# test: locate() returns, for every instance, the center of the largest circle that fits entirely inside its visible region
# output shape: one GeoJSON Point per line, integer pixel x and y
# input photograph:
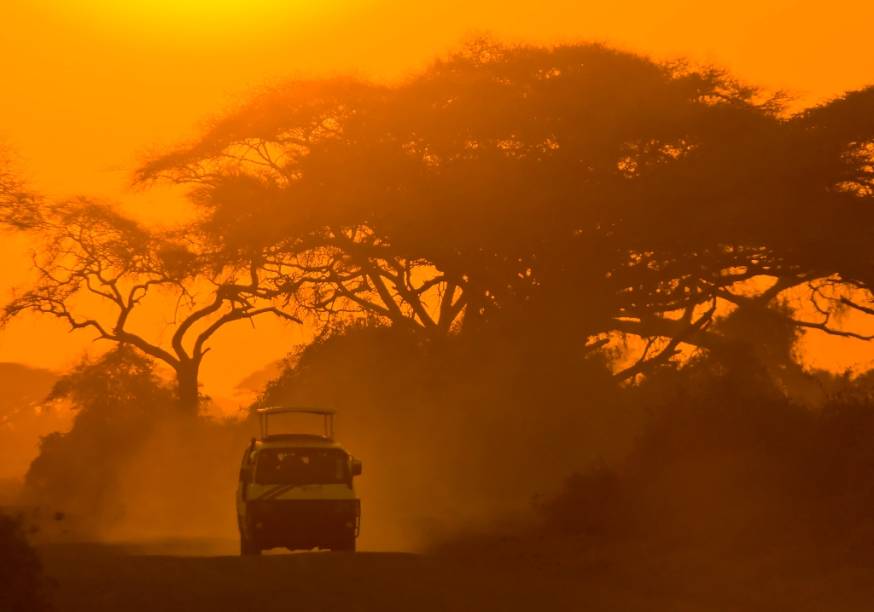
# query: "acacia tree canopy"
{"type": "Point", "coordinates": [592, 188]}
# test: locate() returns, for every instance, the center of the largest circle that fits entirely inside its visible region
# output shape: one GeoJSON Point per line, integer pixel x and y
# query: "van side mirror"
{"type": "Point", "coordinates": [356, 467]}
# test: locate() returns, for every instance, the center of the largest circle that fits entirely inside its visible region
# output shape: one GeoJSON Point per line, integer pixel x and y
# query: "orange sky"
{"type": "Point", "coordinates": [90, 86]}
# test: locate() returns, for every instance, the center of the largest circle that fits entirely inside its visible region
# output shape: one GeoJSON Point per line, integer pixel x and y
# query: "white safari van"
{"type": "Point", "coordinates": [296, 490]}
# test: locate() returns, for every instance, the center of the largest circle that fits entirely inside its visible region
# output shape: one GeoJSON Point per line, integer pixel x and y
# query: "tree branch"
{"type": "Point", "coordinates": [691, 329]}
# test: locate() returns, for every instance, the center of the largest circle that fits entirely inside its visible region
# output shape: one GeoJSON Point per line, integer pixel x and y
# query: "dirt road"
{"type": "Point", "coordinates": [95, 578]}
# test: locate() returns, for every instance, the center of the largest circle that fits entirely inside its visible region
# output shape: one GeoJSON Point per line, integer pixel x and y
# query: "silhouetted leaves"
{"type": "Point", "coordinates": [576, 183]}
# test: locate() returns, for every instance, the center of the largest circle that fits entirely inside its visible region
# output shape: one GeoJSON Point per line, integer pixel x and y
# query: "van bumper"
{"type": "Point", "coordinates": [302, 523]}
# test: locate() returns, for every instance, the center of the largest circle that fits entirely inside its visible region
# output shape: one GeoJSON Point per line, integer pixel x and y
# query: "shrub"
{"type": "Point", "coordinates": [24, 588]}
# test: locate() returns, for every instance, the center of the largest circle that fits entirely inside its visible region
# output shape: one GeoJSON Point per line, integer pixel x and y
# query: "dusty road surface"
{"type": "Point", "coordinates": [171, 577]}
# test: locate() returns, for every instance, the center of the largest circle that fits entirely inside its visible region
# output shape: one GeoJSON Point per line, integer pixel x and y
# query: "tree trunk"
{"type": "Point", "coordinates": [187, 388]}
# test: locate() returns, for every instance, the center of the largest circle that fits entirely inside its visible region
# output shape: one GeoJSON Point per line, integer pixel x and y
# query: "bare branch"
{"type": "Point", "coordinates": [690, 330]}
{"type": "Point", "coordinates": [235, 315]}
{"type": "Point", "coordinates": [824, 327]}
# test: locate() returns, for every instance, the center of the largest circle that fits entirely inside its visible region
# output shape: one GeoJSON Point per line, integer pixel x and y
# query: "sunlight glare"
{"type": "Point", "coordinates": [200, 18]}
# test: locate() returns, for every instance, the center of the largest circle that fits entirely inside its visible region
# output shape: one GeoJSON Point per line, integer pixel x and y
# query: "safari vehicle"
{"type": "Point", "coordinates": [296, 490]}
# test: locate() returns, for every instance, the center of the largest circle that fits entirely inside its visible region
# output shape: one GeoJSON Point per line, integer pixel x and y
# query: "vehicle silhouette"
{"type": "Point", "coordinates": [297, 490]}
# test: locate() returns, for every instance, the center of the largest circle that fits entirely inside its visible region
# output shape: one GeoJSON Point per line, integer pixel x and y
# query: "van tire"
{"type": "Point", "coordinates": [248, 548]}
{"type": "Point", "coordinates": [346, 543]}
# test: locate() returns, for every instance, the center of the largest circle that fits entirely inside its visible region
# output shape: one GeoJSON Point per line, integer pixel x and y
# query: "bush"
{"type": "Point", "coordinates": [23, 588]}
{"type": "Point", "coordinates": [131, 466]}
{"type": "Point", "coordinates": [118, 401]}
{"type": "Point", "coordinates": [733, 467]}
{"type": "Point", "coordinates": [593, 504]}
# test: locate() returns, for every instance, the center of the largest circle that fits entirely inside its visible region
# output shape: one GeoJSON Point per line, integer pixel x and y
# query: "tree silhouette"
{"type": "Point", "coordinates": [96, 268]}
{"type": "Point", "coordinates": [577, 185]}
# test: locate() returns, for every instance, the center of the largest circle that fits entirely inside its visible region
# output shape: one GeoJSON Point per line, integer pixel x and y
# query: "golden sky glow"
{"type": "Point", "coordinates": [194, 21]}
{"type": "Point", "coordinates": [91, 86]}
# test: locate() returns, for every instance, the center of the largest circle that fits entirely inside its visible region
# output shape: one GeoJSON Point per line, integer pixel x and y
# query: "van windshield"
{"type": "Point", "coordinates": [300, 466]}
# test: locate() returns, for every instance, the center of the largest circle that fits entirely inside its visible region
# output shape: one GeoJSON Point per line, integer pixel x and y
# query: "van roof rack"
{"type": "Point", "coordinates": [327, 418]}
{"type": "Point", "coordinates": [285, 409]}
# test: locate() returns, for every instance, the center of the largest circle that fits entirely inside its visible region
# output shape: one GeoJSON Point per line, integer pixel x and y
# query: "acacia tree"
{"type": "Point", "coordinates": [99, 271]}
{"type": "Point", "coordinates": [577, 185]}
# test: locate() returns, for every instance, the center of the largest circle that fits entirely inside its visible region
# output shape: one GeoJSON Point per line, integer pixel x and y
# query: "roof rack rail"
{"type": "Point", "coordinates": [327, 417]}
{"type": "Point", "coordinates": [301, 409]}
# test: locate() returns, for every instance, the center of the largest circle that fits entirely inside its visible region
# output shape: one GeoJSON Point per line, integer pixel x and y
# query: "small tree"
{"type": "Point", "coordinates": [95, 269]}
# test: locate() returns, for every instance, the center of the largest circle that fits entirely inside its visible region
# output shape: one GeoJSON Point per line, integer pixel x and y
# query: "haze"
{"type": "Point", "coordinates": [555, 305]}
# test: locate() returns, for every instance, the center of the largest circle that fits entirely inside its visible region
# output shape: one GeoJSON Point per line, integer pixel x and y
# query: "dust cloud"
{"type": "Point", "coordinates": [558, 297]}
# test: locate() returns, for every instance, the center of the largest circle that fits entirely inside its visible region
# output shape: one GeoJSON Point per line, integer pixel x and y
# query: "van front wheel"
{"type": "Point", "coordinates": [346, 543]}
{"type": "Point", "coordinates": [247, 547]}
